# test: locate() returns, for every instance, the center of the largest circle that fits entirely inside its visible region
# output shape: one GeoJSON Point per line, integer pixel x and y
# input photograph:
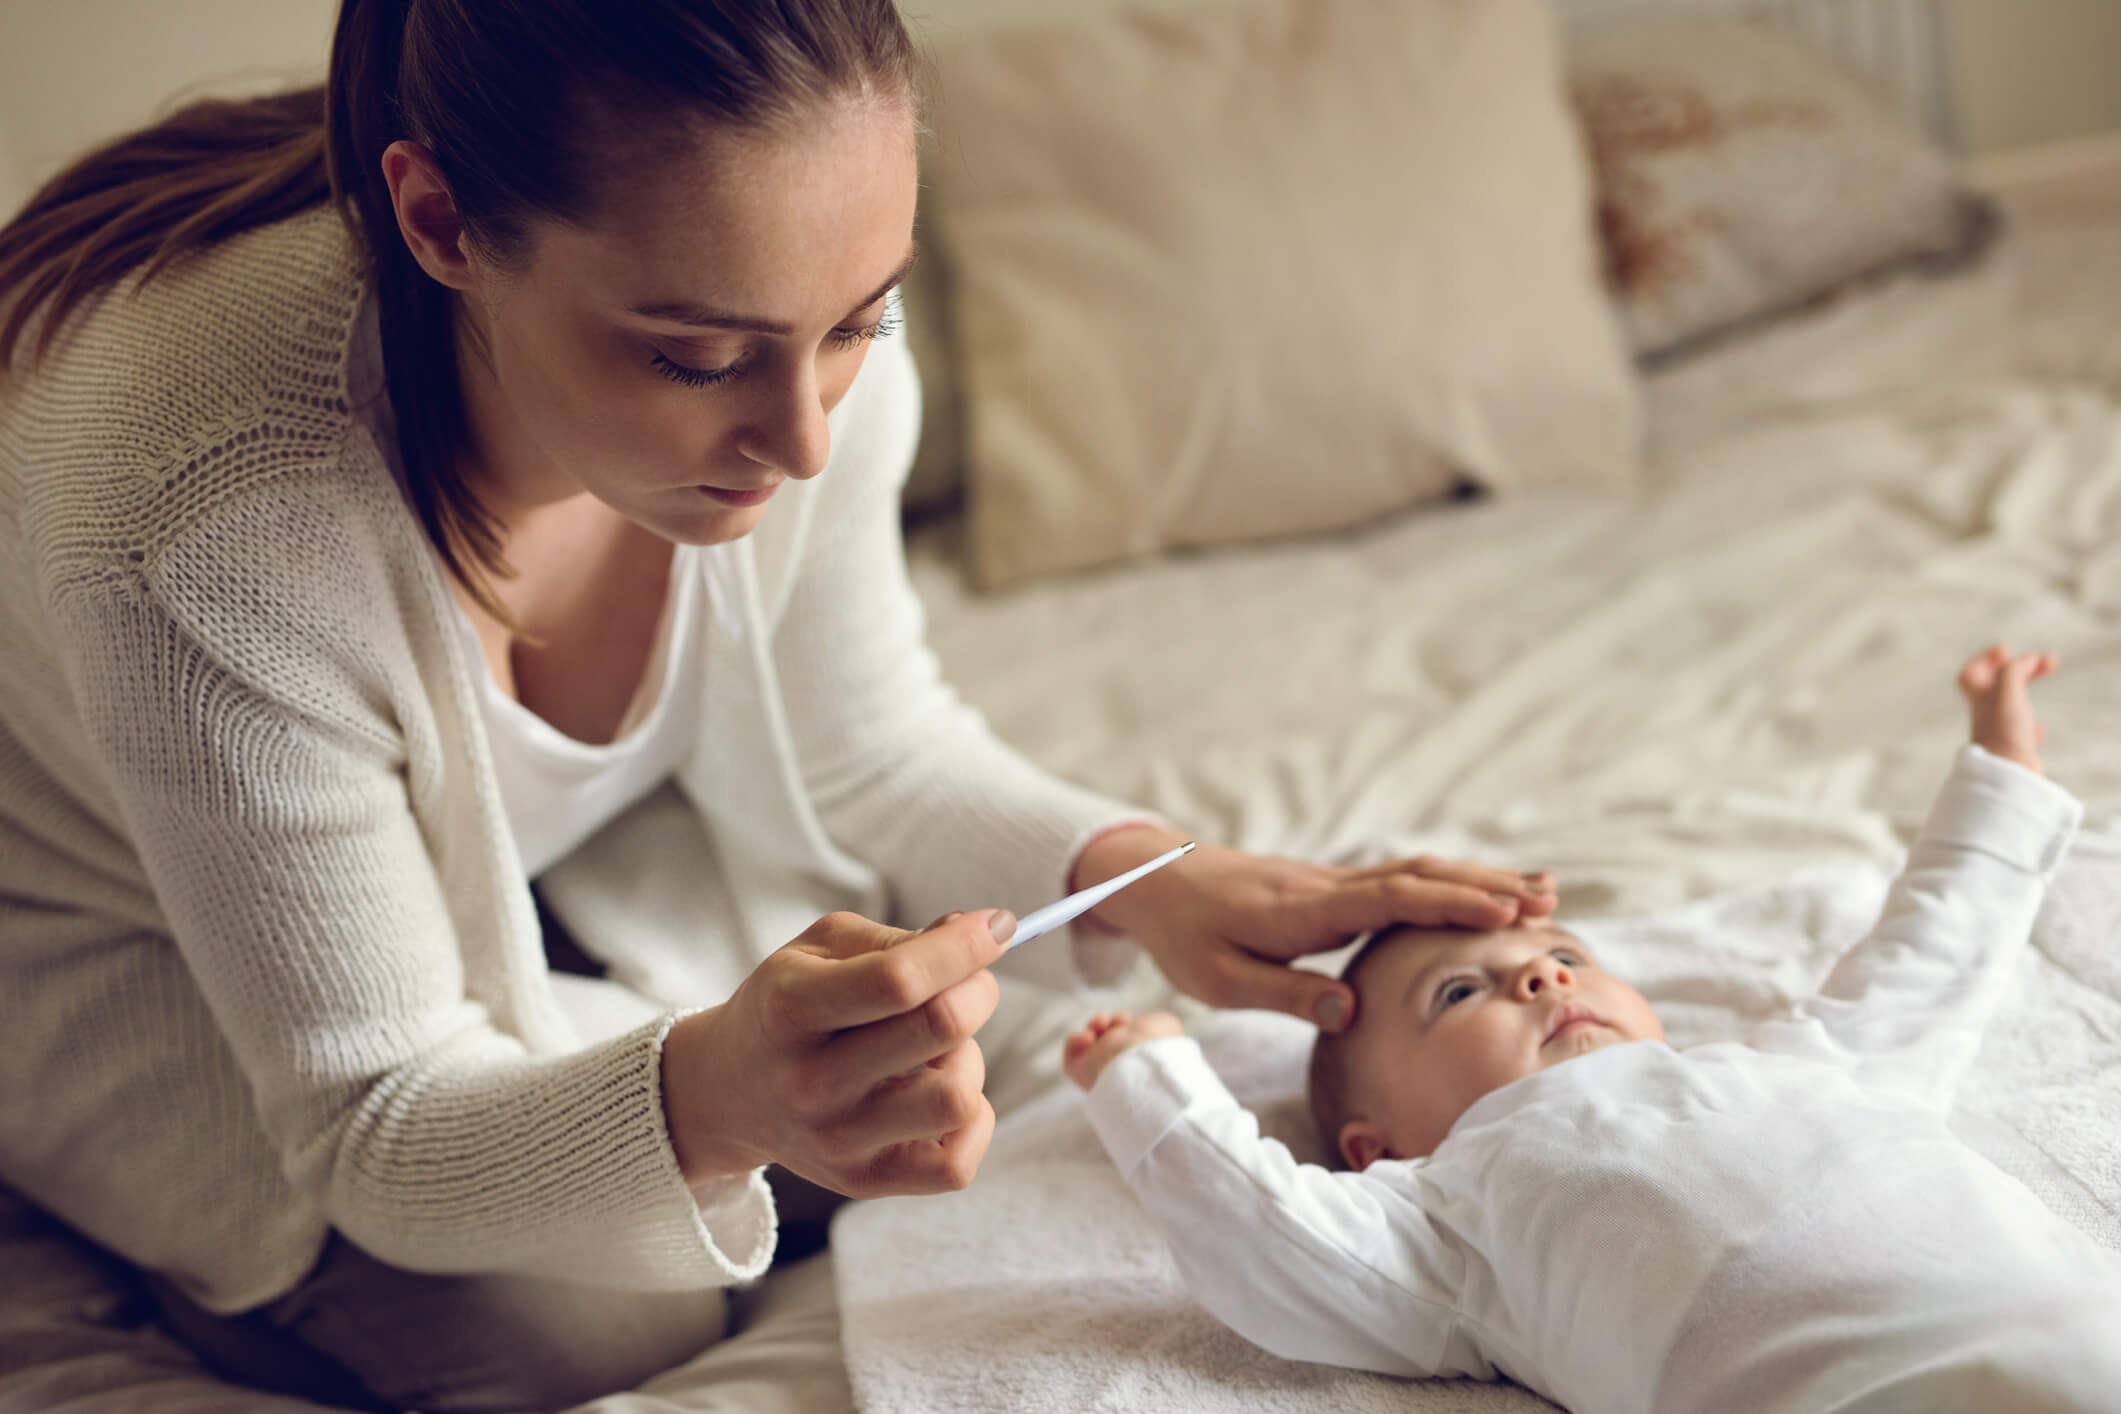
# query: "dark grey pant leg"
{"type": "Point", "coordinates": [359, 1333]}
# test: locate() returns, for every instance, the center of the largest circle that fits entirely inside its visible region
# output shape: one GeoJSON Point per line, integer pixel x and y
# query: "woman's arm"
{"type": "Point", "coordinates": [269, 809]}
{"type": "Point", "coordinates": [903, 773]}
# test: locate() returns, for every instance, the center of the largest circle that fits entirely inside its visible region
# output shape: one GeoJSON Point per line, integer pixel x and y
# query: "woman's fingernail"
{"type": "Point", "coordinates": [1002, 925]}
{"type": "Point", "coordinates": [1331, 1013]}
{"type": "Point", "coordinates": [1506, 900]}
{"type": "Point", "coordinates": [1541, 881]}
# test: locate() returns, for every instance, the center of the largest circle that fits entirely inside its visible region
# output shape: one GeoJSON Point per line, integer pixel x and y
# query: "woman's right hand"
{"type": "Point", "coordinates": [847, 1058]}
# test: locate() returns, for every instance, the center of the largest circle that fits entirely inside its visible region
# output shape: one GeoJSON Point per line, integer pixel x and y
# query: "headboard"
{"type": "Point", "coordinates": [1899, 42]}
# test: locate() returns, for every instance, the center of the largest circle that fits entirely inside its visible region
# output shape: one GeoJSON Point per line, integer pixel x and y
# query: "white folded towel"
{"type": "Point", "coordinates": [1045, 1286]}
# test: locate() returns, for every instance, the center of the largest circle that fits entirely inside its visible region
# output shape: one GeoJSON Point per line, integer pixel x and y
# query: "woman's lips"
{"type": "Point", "coordinates": [727, 497]}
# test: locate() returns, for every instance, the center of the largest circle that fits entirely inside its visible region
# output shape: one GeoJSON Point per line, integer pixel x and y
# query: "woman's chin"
{"type": "Point", "coordinates": [709, 524]}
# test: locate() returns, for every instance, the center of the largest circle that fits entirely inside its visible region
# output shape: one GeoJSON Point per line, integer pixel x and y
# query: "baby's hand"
{"type": "Point", "coordinates": [1106, 1035]}
{"type": "Point", "coordinates": [1995, 686]}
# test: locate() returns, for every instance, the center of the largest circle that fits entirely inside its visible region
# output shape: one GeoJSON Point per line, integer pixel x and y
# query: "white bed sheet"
{"type": "Point", "coordinates": [1745, 671]}
{"type": "Point", "coordinates": [1688, 700]}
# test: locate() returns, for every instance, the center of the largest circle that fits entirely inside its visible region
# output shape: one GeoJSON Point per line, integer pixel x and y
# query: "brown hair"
{"type": "Point", "coordinates": [508, 97]}
{"type": "Point", "coordinates": [1332, 1077]}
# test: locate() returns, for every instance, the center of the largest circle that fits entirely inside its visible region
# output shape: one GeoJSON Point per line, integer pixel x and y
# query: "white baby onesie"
{"type": "Point", "coordinates": [1783, 1225]}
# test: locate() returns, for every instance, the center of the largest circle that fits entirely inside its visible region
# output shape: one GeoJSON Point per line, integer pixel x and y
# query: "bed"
{"type": "Point", "coordinates": [1728, 702]}
{"type": "Point", "coordinates": [1722, 694]}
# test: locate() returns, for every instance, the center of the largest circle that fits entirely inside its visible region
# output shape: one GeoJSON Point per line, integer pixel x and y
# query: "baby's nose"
{"type": "Point", "coordinates": [1543, 972]}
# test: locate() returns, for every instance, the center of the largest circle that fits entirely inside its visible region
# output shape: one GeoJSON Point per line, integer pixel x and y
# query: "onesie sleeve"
{"type": "Point", "coordinates": [905, 774]}
{"type": "Point", "coordinates": [1339, 1268]}
{"type": "Point", "coordinates": [1907, 1005]}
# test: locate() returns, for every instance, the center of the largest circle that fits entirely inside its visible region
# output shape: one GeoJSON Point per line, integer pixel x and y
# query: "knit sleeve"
{"type": "Point", "coordinates": [906, 775]}
{"type": "Point", "coordinates": [269, 807]}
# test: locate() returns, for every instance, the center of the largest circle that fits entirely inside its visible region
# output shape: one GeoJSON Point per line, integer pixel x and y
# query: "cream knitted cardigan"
{"type": "Point", "coordinates": [268, 961]}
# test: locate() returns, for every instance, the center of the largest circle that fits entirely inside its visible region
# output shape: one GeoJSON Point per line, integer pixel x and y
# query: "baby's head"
{"type": "Point", "coordinates": [1443, 1016]}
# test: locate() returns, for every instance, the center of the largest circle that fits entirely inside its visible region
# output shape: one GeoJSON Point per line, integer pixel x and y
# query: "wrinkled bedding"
{"type": "Point", "coordinates": [1745, 668]}
{"type": "Point", "coordinates": [1740, 675]}
{"type": "Point", "coordinates": [1718, 711]}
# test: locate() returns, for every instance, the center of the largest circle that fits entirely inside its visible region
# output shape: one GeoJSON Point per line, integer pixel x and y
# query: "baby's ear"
{"type": "Point", "coordinates": [1362, 1144]}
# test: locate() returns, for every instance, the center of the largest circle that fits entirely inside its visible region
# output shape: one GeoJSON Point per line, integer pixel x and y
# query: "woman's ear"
{"type": "Point", "coordinates": [427, 215]}
{"type": "Point", "coordinates": [1363, 1144]}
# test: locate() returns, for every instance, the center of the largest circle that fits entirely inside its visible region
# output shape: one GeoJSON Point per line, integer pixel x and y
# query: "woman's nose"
{"type": "Point", "coordinates": [1540, 973]}
{"type": "Point", "coordinates": [789, 432]}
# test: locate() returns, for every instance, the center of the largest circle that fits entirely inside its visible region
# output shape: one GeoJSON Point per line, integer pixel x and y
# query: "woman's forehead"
{"type": "Point", "coordinates": [765, 224]}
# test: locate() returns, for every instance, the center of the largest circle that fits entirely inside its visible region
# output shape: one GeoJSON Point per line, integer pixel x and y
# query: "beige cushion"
{"type": "Point", "coordinates": [1263, 267]}
{"type": "Point", "coordinates": [937, 478]}
{"type": "Point", "coordinates": [1742, 171]}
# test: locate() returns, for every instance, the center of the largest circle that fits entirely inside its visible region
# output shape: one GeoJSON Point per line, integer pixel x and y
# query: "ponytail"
{"type": "Point", "coordinates": [203, 174]}
{"type": "Point", "coordinates": [362, 117]}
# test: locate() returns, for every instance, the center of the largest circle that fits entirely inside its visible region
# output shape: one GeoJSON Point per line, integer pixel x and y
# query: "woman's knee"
{"type": "Point", "coordinates": [470, 1343]}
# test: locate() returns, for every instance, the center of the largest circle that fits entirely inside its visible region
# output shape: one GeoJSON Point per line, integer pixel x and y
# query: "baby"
{"type": "Point", "coordinates": [1538, 1187]}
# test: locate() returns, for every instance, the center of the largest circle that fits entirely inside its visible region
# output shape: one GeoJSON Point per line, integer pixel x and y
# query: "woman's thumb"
{"type": "Point", "coordinates": [1322, 1001]}
{"type": "Point", "coordinates": [1331, 1007]}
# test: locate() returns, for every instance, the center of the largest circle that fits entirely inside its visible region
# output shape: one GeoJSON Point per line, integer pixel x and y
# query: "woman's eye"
{"type": "Point", "coordinates": [883, 328]}
{"type": "Point", "coordinates": [692, 377]}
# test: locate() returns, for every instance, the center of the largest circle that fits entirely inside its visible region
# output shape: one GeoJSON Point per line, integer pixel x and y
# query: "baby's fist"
{"type": "Point", "coordinates": [1994, 684]}
{"type": "Point", "coordinates": [1108, 1034]}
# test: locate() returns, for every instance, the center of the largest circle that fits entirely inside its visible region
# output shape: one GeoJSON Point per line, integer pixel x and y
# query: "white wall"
{"type": "Point", "coordinates": [2028, 73]}
{"type": "Point", "coordinates": [73, 72]}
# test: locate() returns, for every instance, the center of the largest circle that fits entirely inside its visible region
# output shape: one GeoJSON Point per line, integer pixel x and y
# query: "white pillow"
{"type": "Point", "coordinates": [1263, 267]}
{"type": "Point", "coordinates": [1743, 171]}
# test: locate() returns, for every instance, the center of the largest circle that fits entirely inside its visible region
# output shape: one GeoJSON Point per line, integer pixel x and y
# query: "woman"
{"type": "Point", "coordinates": [362, 561]}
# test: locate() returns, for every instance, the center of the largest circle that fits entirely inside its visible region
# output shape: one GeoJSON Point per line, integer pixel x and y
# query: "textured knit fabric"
{"type": "Point", "coordinates": [1785, 1225]}
{"type": "Point", "coordinates": [268, 960]}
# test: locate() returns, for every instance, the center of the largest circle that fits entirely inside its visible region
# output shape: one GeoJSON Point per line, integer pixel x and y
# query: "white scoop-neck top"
{"type": "Point", "coordinates": [558, 791]}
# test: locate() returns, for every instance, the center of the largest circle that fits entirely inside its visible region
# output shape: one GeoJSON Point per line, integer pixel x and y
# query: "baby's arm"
{"type": "Point", "coordinates": [1339, 1268]}
{"type": "Point", "coordinates": [1909, 1002]}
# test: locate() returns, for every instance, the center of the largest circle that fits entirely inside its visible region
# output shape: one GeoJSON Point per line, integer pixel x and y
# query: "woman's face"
{"type": "Point", "coordinates": [676, 358]}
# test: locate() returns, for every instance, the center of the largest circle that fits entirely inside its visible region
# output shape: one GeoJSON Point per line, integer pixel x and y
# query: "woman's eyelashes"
{"type": "Point", "coordinates": [691, 377]}
{"type": "Point", "coordinates": [883, 327]}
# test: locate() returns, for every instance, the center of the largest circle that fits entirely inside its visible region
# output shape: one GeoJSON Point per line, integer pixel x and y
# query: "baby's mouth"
{"type": "Point", "coordinates": [1568, 1016]}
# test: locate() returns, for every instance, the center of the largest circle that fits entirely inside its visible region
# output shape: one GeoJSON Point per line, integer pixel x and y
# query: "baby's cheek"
{"type": "Point", "coordinates": [1644, 1023]}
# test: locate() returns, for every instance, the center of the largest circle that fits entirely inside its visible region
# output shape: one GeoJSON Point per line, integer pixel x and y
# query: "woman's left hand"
{"type": "Point", "coordinates": [1223, 924]}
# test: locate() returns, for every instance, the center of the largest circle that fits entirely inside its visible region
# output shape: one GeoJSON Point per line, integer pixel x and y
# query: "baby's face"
{"type": "Point", "coordinates": [1444, 1017]}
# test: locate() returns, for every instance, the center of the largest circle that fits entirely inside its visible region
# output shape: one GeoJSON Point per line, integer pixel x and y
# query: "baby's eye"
{"type": "Point", "coordinates": [1453, 993]}
{"type": "Point", "coordinates": [1570, 956]}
